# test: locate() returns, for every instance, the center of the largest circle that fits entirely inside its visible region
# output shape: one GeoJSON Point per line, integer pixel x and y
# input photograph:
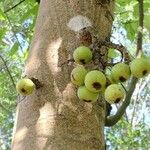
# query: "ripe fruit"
{"type": "Point", "coordinates": [86, 95]}
{"type": "Point", "coordinates": [140, 67]}
{"type": "Point", "coordinates": [25, 86]}
{"type": "Point", "coordinates": [120, 72]}
{"type": "Point", "coordinates": [82, 55]}
{"type": "Point", "coordinates": [77, 75]}
{"type": "Point", "coordinates": [114, 93]}
{"type": "Point", "coordinates": [95, 81]}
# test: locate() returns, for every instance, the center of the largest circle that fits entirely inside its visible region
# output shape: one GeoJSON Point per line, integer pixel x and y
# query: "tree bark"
{"type": "Point", "coordinates": [53, 118]}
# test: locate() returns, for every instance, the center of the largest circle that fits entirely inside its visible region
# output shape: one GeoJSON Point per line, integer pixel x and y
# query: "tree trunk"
{"type": "Point", "coordinates": [53, 118]}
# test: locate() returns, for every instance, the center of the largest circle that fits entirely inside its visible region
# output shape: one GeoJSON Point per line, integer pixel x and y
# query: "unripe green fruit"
{"type": "Point", "coordinates": [86, 95]}
{"type": "Point", "coordinates": [25, 86]}
{"type": "Point", "coordinates": [95, 81]}
{"type": "Point", "coordinates": [140, 67]}
{"type": "Point", "coordinates": [121, 72]}
{"type": "Point", "coordinates": [114, 93]}
{"type": "Point", "coordinates": [77, 75]}
{"type": "Point", "coordinates": [82, 55]}
{"type": "Point", "coordinates": [110, 80]}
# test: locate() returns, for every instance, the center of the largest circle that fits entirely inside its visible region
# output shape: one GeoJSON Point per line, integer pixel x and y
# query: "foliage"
{"type": "Point", "coordinates": [16, 30]}
{"type": "Point", "coordinates": [127, 16]}
{"type": "Point", "coordinates": [123, 136]}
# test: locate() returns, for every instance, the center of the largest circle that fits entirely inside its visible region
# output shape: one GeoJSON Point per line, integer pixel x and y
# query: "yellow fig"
{"type": "Point", "coordinates": [86, 95]}
{"type": "Point", "coordinates": [114, 93]}
{"type": "Point", "coordinates": [121, 72]}
{"type": "Point", "coordinates": [25, 86]}
{"type": "Point", "coordinates": [140, 67]}
{"type": "Point", "coordinates": [82, 55]}
{"type": "Point", "coordinates": [95, 81]}
{"type": "Point", "coordinates": [77, 75]}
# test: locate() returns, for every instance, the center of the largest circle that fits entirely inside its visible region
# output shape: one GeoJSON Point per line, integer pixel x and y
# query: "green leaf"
{"type": "Point", "coordinates": [14, 49]}
{"type": "Point", "coordinates": [2, 33]}
{"type": "Point", "coordinates": [147, 22]}
{"type": "Point", "coordinates": [131, 28]}
{"type": "Point", "coordinates": [2, 15]}
{"type": "Point", "coordinates": [123, 2]}
{"type": "Point", "coordinates": [112, 53]}
{"type": "Point", "coordinates": [29, 13]}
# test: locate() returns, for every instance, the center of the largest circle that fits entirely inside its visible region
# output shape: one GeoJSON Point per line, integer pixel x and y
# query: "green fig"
{"type": "Point", "coordinates": [114, 93]}
{"type": "Point", "coordinates": [82, 55]}
{"type": "Point", "coordinates": [121, 72]}
{"type": "Point", "coordinates": [110, 80]}
{"type": "Point", "coordinates": [95, 81]}
{"type": "Point", "coordinates": [86, 95]}
{"type": "Point", "coordinates": [25, 86]}
{"type": "Point", "coordinates": [77, 75]}
{"type": "Point", "coordinates": [140, 67]}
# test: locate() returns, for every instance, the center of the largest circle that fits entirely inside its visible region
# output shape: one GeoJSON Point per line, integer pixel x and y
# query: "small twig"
{"type": "Point", "coordinates": [13, 82]}
{"type": "Point", "coordinates": [120, 48]}
{"type": "Point", "coordinates": [124, 87]}
{"type": "Point", "coordinates": [13, 6]}
{"type": "Point", "coordinates": [112, 120]}
{"type": "Point", "coordinates": [112, 64]}
{"type": "Point", "coordinates": [124, 52]}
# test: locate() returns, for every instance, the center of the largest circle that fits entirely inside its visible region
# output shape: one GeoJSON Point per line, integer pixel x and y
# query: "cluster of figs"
{"type": "Point", "coordinates": [91, 83]}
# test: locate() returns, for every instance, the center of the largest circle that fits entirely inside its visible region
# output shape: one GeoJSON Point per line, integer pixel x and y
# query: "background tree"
{"type": "Point", "coordinates": [16, 32]}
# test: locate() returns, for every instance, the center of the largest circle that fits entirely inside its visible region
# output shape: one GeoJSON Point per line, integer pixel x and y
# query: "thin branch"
{"type": "Point", "coordinates": [139, 42]}
{"type": "Point", "coordinates": [13, 6]}
{"type": "Point", "coordinates": [124, 52]}
{"type": "Point", "coordinates": [13, 82]}
{"type": "Point", "coordinates": [123, 87]}
{"type": "Point", "coordinates": [125, 114]}
{"type": "Point", "coordinates": [140, 31]}
{"type": "Point", "coordinates": [112, 120]}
